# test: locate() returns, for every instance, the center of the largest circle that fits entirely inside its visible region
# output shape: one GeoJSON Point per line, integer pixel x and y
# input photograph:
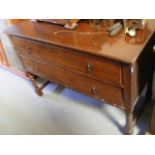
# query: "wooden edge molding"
{"type": "Point", "coordinates": [15, 71]}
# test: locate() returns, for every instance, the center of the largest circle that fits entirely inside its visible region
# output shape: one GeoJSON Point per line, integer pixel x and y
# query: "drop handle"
{"type": "Point", "coordinates": [29, 50]}
{"type": "Point", "coordinates": [89, 68]}
{"type": "Point", "coordinates": [93, 90]}
{"type": "Point", "coordinates": [154, 48]}
{"type": "Point", "coordinates": [37, 68]}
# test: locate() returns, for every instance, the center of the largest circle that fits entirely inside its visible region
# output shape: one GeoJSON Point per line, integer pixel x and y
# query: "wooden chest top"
{"type": "Point", "coordinates": [86, 39]}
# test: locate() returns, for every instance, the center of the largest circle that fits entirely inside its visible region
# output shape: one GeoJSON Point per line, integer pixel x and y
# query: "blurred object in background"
{"type": "Point", "coordinates": [133, 25]}
{"type": "Point", "coordinates": [67, 23]}
{"type": "Point", "coordinates": [8, 58]}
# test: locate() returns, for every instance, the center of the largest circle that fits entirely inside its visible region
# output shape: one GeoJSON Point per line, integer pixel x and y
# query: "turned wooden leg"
{"type": "Point", "coordinates": [129, 123]}
{"type": "Point", "coordinates": [34, 83]}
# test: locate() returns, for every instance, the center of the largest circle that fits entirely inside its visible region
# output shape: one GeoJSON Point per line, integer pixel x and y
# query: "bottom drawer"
{"type": "Point", "coordinates": [76, 81]}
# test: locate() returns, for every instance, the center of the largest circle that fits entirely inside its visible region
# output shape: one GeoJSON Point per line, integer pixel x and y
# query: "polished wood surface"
{"type": "Point", "coordinates": [117, 70]}
{"type": "Point", "coordinates": [85, 38]}
{"type": "Point", "coordinates": [13, 21]}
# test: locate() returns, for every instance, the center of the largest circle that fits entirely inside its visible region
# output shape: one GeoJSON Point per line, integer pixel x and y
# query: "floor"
{"type": "Point", "coordinates": [58, 111]}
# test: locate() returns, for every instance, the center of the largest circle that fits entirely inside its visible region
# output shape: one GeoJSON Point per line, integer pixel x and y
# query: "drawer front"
{"type": "Point", "coordinates": [68, 78]}
{"type": "Point", "coordinates": [101, 68]}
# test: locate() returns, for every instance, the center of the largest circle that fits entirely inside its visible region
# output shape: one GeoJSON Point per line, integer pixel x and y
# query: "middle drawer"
{"type": "Point", "coordinates": [102, 68]}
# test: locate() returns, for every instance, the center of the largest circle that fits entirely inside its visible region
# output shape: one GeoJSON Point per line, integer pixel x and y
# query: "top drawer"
{"type": "Point", "coordinates": [94, 66]}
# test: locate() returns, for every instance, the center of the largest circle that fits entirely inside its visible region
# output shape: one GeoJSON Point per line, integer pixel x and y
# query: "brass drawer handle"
{"type": "Point", "coordinates": [154, 48]}
{"type": "Point", "coordinates": [89, 68]}
{"type": "Point", "coordinates": [29, 50]}
{"type": "Point", "coordinates": [93, 90]}
{"type": "Point", "coordinates": [37, 68]}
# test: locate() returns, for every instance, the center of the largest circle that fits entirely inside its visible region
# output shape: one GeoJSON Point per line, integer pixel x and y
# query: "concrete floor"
{"type": "Point", "coordinates": [58, 111]}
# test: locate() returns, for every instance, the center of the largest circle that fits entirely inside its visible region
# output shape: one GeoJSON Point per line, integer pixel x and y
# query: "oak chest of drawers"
{"type": "Point", "coordinates": [116, 70]}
